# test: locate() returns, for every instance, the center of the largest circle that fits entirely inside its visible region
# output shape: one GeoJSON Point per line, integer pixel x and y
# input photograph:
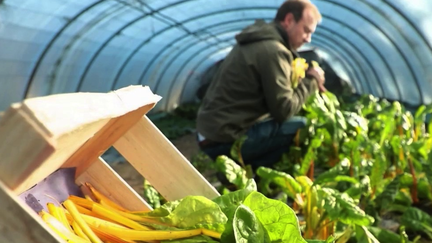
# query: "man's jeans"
{"type": "Point", "coordinates": [266, 142]}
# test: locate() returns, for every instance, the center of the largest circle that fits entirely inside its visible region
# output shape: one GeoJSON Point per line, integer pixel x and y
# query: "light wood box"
{"type": "Point", "coordinates": [41, 135]}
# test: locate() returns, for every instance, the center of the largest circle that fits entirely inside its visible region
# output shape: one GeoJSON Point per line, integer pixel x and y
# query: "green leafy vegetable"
{"type": "Point", "coordinates": [279, 220]}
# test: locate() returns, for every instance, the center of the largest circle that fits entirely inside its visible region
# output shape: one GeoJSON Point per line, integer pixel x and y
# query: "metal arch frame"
{"type": "Point", "coordinates": [101, 47]}
{"type": "Point", "coordinates": [202, 60]}
{"type": "Point", "coordinates": [326, 16]}
{"type": "Point", "coordinates": [193, 55]}
{"type": "Point", "coordinates": [199, 63]}
{"type": "Point", "coordinates": [89, 7]}
{"type": "Point", "coordinates": [410, 22]}
{"type": "Point", "coordinates": [165, 48]}
{"type": "Point", "coordinates": [185, 63]}
{"type": "Point", "coordinates": [360, 53]}
{"type": "Point", "coordinates": [398, 49]}
{"type": "Point", "coordinates": [413, 27]}
{"type": "Point", "coordinates": [138, 48]}
{"type": "Point", "coordinates": [188, 45]}
{"type": "Point", "coordinates": [346, 50]}
{"type": "Point", "coordinates": [359, 76]}
{"type": "Point", "coordinates": [51, 42]}
{"type": "Point", "coordinates": [188, 60]}
{"type": "Point", "coordinates": [328, 37]}
{"type": "Point", "coordinates": [109, 39]}
{"type": "Point", "coordinates": [355, 81]}
{"type": "Point", "coordinates": [59, 32]}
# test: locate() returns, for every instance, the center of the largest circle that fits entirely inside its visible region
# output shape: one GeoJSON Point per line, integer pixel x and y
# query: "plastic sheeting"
{"type": "Point", "coordinates": [46, 46]}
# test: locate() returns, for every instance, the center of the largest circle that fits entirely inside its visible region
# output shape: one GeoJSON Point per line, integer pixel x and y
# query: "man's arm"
{"type": "Point", "coordinates": [282, 100]}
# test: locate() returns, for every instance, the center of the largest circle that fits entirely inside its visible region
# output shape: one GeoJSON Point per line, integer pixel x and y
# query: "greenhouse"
{"type": "Point", "coordinates": [357, 170]}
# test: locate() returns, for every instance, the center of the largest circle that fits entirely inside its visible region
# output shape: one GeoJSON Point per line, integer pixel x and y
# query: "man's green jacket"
{"type": "Point", "coordinates": [252, 83]}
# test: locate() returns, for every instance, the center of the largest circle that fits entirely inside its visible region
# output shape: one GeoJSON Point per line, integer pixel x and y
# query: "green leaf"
{"type": "Point", "coordinates": [192, 212]}
{"type": "Point", "coordinates": [384, 235]}
{"type": "Point", "coordinates": [388, 131]}
{"type": "Point", "coordinates": [417, 220]}
{"type": "Point", "coordinates": [286, 182]}
{"type": "Point", "coordinates": [345, 235]}
{"type": "Point", "coordinates": [379, 166]}
{"type": "Point", "coordinates": [387, 197]}
{"type": "Point", "coordinates": [245, 228]}
{"type": "Point", "coordinates": [279, 220]}
{"type": "Point", "coordinates": [361, 188]}
{"type": "Point", "coordinates": [363, 235]}
{"type": "Point", "coordinates": [151, 195]}
{"type": "Point", "coordinates": [341, 207]}
{"type": "Point", "coordinates": [233, 172]}
{"type": "Point", "coordinates": [336, 174]}
{"type": "Point", "coordinates": [229, 202]}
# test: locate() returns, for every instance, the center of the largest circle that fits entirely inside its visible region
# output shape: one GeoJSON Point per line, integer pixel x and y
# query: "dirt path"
{"type": "Point", "coordinates": [186, 145]}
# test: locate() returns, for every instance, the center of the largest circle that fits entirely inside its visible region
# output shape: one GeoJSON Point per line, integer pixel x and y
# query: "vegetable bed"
{"type": "Point", "coordinates": [360, 171]}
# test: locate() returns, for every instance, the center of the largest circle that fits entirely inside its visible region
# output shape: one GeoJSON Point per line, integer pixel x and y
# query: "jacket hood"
{"type": "Point", "coordinates": [260, 31]}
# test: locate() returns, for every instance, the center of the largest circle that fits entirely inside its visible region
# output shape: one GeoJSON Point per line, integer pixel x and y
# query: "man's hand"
{"type": "Point", "coordinates": [318, 74]}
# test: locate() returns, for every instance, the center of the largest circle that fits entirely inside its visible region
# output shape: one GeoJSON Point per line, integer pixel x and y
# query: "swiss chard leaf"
{"type": "Point", "coordinates": [363, 235]}
{"type": "Point", "coordinates": [233, 172]}
{"type": "Point", "coordinates": [361, 188]}
{"type": "Point", "coordinates": [384, 235]}
{"type": "Point", "coordinates": [191, 212]}
{"type": "Point", "coordinates": [340, 206]}
{"type": "Point", "coordinates": [285, 181]}
{"type": "Point", "coordinates": [417, 220]}
{"type": "Point", "coordinates": [229, 202]}
{"type": "Point", "coordinates": [379, 166]}
{"type": "Point", "coordinates": [387, 197]}
{"type": "Point", "coordinates": [336, 174]}
{"type": "Point", "coordinates": [244, 227]}
{"type": "Point", "coordinates": [151, 195]}
{"type": "Point", "coordinates": [279, 220]}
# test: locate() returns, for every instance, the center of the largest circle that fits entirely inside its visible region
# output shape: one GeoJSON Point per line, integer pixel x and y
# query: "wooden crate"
{"type": "Point", "coordinates": [41, 135]}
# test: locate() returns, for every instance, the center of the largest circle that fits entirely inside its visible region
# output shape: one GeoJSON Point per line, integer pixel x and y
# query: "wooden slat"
{"type": "Point", "coordinates": [18, 223]}
{"type": "Point", "coordinates": [25, 147]}
{"type": "Point", "coordinates": [108, 182]}
{"type": "Point", "coordinates": [104, 138]}
{"type": "Point", "coordinates": [67, 122]}
{"type": "Point", "coordinates": [154, 157]}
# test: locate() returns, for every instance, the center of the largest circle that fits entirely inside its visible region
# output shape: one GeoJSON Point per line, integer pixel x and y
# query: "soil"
{"type": "Point", "coordinates": [186, 145]}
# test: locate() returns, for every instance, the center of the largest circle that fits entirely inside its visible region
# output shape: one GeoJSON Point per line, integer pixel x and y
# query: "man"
{"type": "Point", "coordinates": [252, 94]}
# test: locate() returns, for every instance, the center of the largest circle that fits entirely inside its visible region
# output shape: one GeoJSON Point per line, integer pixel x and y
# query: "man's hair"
{"type": "Point", "coordinates": [296, 8]}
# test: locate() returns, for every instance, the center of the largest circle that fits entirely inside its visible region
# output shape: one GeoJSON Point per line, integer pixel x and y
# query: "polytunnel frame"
{"type": "Point", "coordinates": [165, 48]}
{"type": "Point", "coordinates": [401, 53]}
{"type": "Point", "coordinates": [200, 61]}
{"type": "Point", "coordinates": [137, 49]}
{"type": "Point", "coordinates": [69, 22]}
{"type": "Point", "coordinates": [322, 28]}
{"type": "Point", "coordinates": [359, 52]}
{"type": "Point", "coordinates": [186, 62]}
{"type": "Point", "coordinates": [51, 42]}
{"type": "Point", "coordinates": [29, 83]}
{"type": "Point", "coordinates": [193, 43]}
{"type": "Point", "coordinates": [95, 55]}
{"type": "Point", "coordinates": [186, 47]}
{"type": "Point", "coordinates": [328, 46]}
{"type": "Point", "coordinates": [326, 16]}
{"type": "Point", "coordinates": [410, 22]}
